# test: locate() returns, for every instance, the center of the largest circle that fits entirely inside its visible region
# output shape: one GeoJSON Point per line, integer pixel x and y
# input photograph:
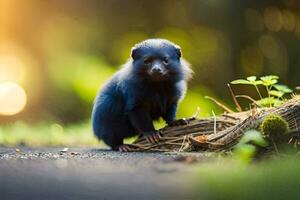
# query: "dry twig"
{"type": "Point", "coordinates": [220, 132]}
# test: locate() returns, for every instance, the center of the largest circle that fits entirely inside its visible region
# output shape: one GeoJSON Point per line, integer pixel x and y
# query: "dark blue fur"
{"type": "Point", "coordinates": [132, 98]}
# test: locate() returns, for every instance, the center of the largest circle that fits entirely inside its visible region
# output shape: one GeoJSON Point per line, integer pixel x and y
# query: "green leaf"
{"type": "Point", "coordinates": [268, 101]}
{"type": "Point", "coordinates": [250, 81]}
{"type": "Point", "coordinates": [276, 93]}
{"type": "Point", "coordinates": [254, 137]}
{"type": "Point", "coordinates": [278, 103]}
{"type": "Point", "coordinates": [269, 80]}
{"type": "Point", "coordinates": [251, 78]}
{"type": "Point", "coordinates": [240, 81]}
{"type": "Point", "coordinates": [258, 82]}
{"type": "Point", "coordinates": [269, 77]}
{"type": "Point", "coordinates": [283, 88]}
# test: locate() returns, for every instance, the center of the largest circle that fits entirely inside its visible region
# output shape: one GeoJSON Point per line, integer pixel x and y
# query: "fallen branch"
{"type": "Point", "coordinates": [220, 132]}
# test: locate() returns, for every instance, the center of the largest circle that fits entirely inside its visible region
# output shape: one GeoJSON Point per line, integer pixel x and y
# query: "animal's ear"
{"type": "Point", "coordinates": [178, 51]}
{"type": "Point", "coordinates": [133, 53]}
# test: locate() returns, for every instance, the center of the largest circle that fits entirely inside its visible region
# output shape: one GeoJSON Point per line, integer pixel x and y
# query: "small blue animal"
{"type": "Point", "coordinates": [146, 88]}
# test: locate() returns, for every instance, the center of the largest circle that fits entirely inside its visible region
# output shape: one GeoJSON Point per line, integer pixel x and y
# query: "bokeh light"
{"type": "Point", "coordinates": [252, 60]}
{"type": "Point", "coordinates": [269, 46]}
{"type": "Point", "coordinates": [12, 98]}
{"type": "Point", "coordinates": [254, 20]}
{"type": "Point", "coordinates": [289, 20]}
{"type": "Point", "coordinates": [273, 18]}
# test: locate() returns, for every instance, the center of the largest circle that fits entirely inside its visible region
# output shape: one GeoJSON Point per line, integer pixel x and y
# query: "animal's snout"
{"type": "Point", "coordinates": [156, 69]}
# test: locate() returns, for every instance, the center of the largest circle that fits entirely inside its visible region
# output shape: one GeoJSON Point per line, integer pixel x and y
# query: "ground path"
{"type": "Point", "coordinates": [85, 173]}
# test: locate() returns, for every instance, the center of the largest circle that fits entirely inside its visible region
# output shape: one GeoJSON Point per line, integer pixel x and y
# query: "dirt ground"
{"type": "Point", "coordinates": [82, 173]}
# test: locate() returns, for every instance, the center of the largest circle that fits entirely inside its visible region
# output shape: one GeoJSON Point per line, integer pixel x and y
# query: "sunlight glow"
{"type": "Point", "coordinates": [11, 68]}
{"type": "Point", "coordinates": [13, 98]}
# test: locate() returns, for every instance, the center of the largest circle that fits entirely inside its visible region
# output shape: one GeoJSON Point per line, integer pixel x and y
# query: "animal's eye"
{"type": "Point", "coordinates": [166, 60]}
{"type": "Point", "coordinates": [147, 61]}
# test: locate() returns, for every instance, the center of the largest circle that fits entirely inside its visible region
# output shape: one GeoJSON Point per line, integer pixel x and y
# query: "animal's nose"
{"type": "Point", "coordinates": [156, 69]}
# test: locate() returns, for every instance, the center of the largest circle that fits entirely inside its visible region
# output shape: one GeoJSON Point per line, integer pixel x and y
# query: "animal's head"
{"type": "Point", "coordinates": [159, 59]}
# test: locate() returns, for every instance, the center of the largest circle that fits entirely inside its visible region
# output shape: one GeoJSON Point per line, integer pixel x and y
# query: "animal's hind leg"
{"type": "Point", "coordinates": [115, 135]}
{"type": "Point", "coordinates": [113, 140]}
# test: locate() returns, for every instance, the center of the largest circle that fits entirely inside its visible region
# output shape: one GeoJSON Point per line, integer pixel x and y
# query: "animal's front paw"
{"type": "Point", "coordinates": [153, 138]}
{"type": "Point", "coordinates": [179, 122]}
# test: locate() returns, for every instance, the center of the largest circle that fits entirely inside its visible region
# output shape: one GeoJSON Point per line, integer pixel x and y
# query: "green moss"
{"type": "Point", "coordinates": [274, 126]}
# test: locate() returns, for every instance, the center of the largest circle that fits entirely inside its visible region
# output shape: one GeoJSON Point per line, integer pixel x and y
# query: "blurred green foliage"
{"type": "Point", "coordinates": [227, 179]}
{"type": "Point", "coordinates": [245, 151]}
{"type": "Point", "coordinates": [83, 74]}
{"type": "Point", "coordinates": [45, 134]}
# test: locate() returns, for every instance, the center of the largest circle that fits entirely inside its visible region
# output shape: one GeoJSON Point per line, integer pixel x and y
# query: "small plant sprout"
{"type": "Point", "coordinates": [251, 80]}
{"type": "Point", "coordinates": [275, 92]}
